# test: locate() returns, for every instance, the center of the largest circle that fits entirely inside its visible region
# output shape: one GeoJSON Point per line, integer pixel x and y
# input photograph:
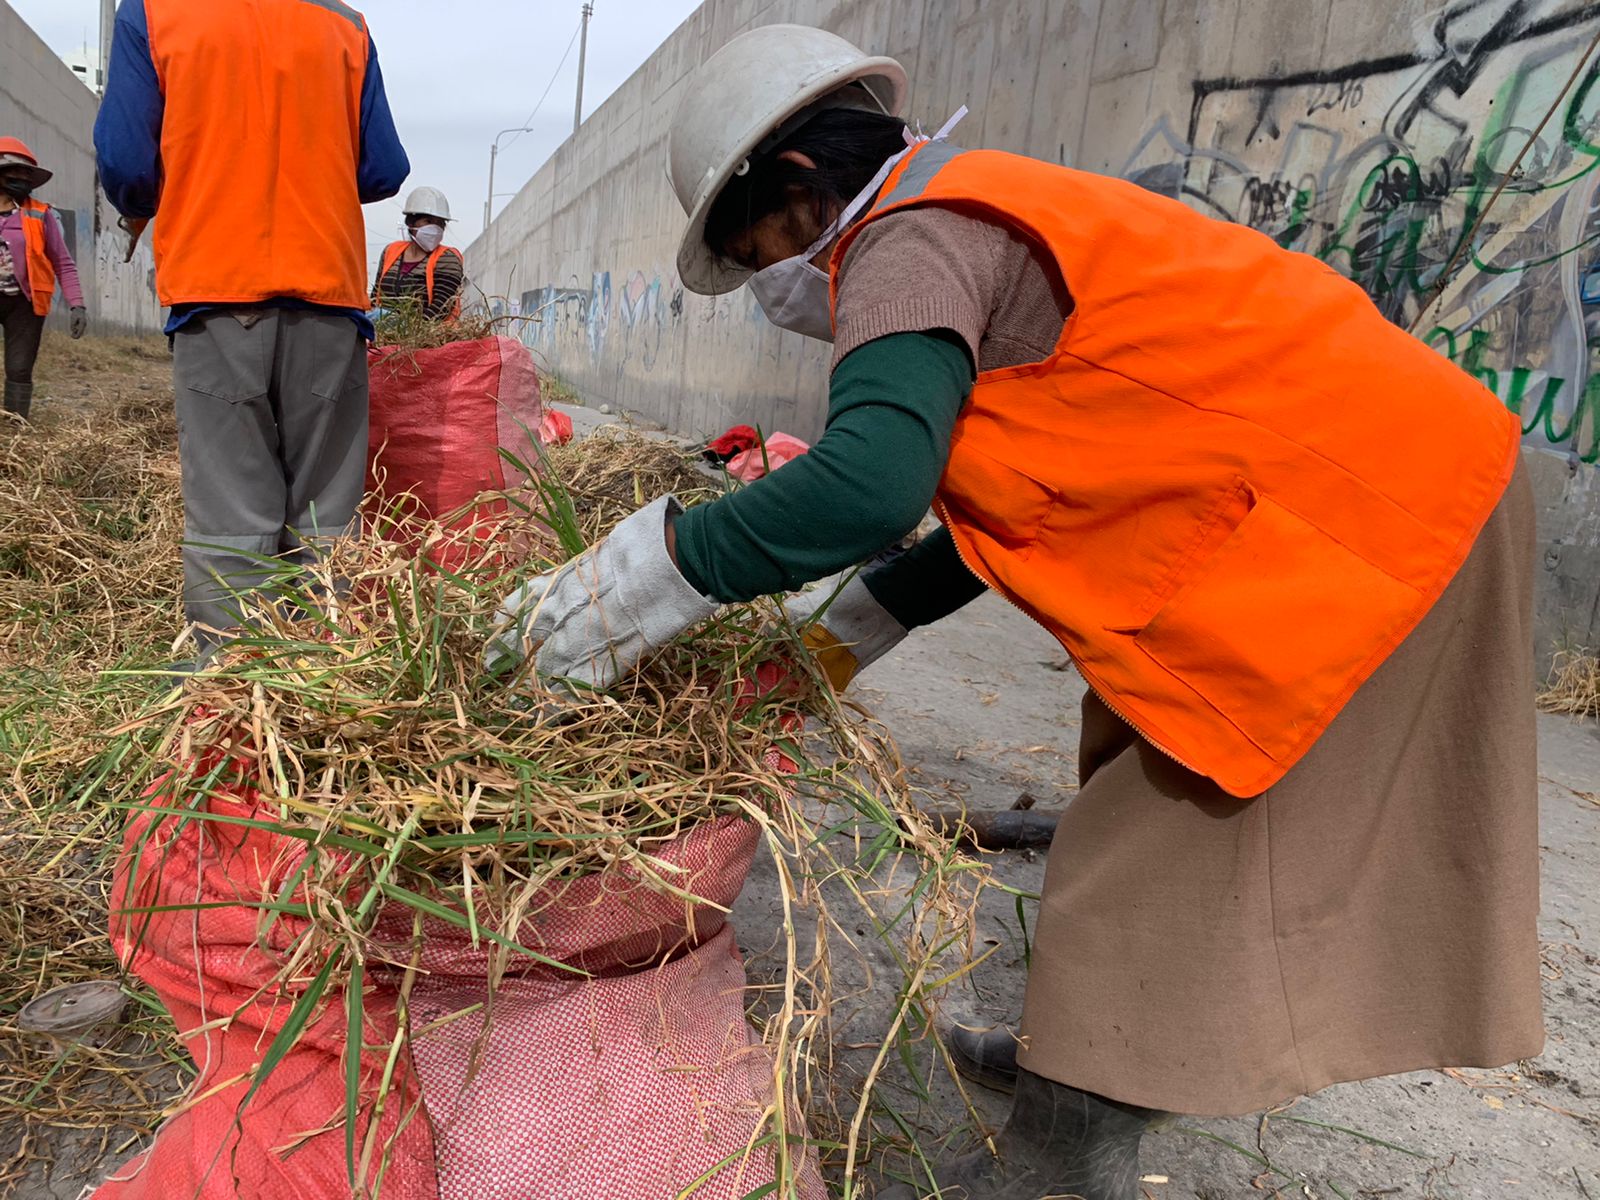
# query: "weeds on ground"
{"type": "Point", "coordinates": [559, 391]}
{"type": "Point", "coordinates": [90, 520]}
{"type": "Point", "coordinates": [1574, 684]}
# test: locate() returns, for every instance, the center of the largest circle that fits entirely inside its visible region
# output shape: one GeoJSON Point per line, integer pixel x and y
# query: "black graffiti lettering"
{"type": "Point", "coordinates": [1385, 167]}
{"type": "Point", "coordinates": [1342, 96]}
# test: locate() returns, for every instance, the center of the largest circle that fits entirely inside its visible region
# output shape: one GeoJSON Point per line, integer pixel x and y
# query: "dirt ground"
{"type": "Point", "coordinates": [984, 709]}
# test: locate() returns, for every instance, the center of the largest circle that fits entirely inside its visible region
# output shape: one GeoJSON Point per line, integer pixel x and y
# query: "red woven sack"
{"type": "Point", "coordinates": [442, 423]}
{"type": "Point", "coordinates": [206, 958]}
{"type": "Point", "coordinates": [633, 1083]}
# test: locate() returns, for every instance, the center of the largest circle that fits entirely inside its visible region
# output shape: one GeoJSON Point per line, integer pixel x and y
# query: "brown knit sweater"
{"type": "Point", "coordinates": [929, 268]}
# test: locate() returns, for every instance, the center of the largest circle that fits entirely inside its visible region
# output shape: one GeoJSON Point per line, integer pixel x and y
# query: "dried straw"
{"type": "Point", "coordinates": [371, 724]}
{"type": "Point", "coordinates": [90, 520]}
{"type": "Point", "coordinates": [616, 471]}
{"type": "Point", "coordinates": [1574, 686]}
{"type": "Point", "coordinates": [405, 326]}
{"type": "Point", "coordinates": [416, 780]}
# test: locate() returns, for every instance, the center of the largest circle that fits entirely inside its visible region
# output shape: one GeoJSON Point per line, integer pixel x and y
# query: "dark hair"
{"type": "Point", "coordinates": [847, 144]}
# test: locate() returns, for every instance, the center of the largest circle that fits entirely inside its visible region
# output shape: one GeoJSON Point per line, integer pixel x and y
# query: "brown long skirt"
{"type": "Point", "coordinates": [1373, 913]}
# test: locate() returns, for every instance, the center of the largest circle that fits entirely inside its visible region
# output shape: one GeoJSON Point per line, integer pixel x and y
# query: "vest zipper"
{"type": "Point", "coordinates": [944, 515]}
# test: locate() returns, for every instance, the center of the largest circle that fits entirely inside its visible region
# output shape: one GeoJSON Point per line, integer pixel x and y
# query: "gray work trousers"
{"type": "Point", "coordinates": [272, 436]}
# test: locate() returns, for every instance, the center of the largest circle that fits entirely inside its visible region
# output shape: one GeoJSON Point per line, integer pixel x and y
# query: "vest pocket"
{"type": "Point", "coordinates": [1004, 506]}
{"type": "Point", "coordinates": [1276, 624]}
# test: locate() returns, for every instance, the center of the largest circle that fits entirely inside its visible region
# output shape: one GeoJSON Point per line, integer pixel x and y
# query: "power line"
{"type": "Point", "coordinates": [549, 85]}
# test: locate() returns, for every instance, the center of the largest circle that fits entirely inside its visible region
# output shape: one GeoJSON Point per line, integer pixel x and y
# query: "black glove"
{"type": "Point", "coordinates": [80, 322]}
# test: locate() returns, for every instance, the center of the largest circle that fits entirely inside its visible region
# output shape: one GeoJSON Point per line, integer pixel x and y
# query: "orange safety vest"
{"type": "Point", "coordinates": [260, 144]}
{"type": "Point", "coordinates": [1232, 489]}
{"type": "Point", "coordinates": [391, 255]}
{"type": "Point", "coordinates": [41, 271]}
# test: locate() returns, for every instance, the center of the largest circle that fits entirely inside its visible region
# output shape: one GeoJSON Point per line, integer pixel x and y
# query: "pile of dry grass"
{"type": "Point", "coordinates": [405, 326]}
{"type": "Point", "coordinates": [344, 719]}
{"type": "Point", "coordinates": [615, 471]}
{"type": "Point", "coordinates": [377, 718]}
{"type": "Point", "coordinates": [370, 734]}
{"type": "Point", "coordinates": [90, 521]}
{"type": "Point", "coordinates": [1574, 686]}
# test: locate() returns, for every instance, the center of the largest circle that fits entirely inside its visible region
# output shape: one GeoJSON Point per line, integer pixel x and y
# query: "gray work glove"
{"type": "Point", "coordinates": [599, 616]}
{"type": "Point", "coordinates": [855, 631]}
{"type": "Point", "coordinates": [80, 322]}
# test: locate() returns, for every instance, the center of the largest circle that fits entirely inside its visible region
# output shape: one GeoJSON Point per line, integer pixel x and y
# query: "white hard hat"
{"type": "Point", "coordinates": [427, 202]}
{"type": "Point", "coordinates": [750, 89]}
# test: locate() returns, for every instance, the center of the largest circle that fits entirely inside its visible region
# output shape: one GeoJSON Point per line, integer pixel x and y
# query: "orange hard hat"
{"type": "Point", "coordinates": [14, 152]}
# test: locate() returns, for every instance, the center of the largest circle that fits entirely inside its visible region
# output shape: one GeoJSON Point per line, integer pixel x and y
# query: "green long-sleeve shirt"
{"type": "Point", "coordinates": [868, 481]}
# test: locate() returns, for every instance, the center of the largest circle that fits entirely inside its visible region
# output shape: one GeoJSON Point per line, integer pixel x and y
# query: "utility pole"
{"type": "Point", "coordinates": [488, 205]}
{"type": "Point", "coordinates": [494, 153]}
{"type": "Point", "coordinates": [108, 26]}
{"type": "Point", "coordinates": [583, 53]}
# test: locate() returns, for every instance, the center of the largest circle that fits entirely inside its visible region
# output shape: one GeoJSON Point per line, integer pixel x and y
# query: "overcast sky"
{"type": "Point", "coordinates": [457, 74]}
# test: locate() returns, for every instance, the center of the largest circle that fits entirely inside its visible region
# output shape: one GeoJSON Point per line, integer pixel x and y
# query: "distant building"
{"type": "Point", "coordinates": [85, 64]}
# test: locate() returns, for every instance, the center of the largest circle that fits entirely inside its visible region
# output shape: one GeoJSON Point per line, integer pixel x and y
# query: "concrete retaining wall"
{"type": "Point", "coordinates": [1373, 135]}
{"type": "Point", "coordinates": [47, 106]}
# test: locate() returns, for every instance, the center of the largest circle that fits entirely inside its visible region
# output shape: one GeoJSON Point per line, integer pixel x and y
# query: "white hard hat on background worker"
{"type": "Point", "coordinates": [427, 202]}
{"type": "Point", "coordinates": [755, 91]}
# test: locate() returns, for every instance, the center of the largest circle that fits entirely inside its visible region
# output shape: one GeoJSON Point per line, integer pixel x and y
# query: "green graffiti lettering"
{"type": "Point", "coordinates": [1543, 420]}
{"type": "Point", "coordinates": [1578, 137]}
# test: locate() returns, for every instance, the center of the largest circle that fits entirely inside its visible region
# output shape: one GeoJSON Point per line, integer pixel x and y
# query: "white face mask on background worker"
{"type": "Point", "coordinates": [794, 291]}
{"type": "Point", "coordinates": [428, 237]}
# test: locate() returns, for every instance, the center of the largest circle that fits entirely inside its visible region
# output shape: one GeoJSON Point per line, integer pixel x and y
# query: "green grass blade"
{"type": "Point", "coordinates": [354, 1048]}
{"type": "Point", "coordinates": [432, 908]}
{"type": "Point", "coordinates": [1355, 1133]}
{"type": "Point", "coordinates": [299, 1017]}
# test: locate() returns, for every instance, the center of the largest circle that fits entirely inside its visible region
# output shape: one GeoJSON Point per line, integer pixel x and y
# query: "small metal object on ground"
{"type": "Point", "coordinates": [1017, 829]}
{"type": "Point", "coordinates": [70, 1012]}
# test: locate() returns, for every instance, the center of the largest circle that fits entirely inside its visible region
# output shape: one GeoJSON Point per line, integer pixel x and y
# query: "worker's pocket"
{"type": "Point", "coordinates": [1007, 505]}
{"type": "Point", "coordinates": [326, 355]}
{"type": "Point", "coordinates": [216, 355]}
{"type": "Point", "coordinates": [1279, 610]}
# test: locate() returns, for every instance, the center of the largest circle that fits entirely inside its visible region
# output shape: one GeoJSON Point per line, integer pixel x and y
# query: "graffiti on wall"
{"type": "Point", "coordinates": [633, 321]}
{"type": "Point", "coordinates": [1388, 170]}
{"type": "Point", "coordinates": [562, 311]}
{"type": "Point", "coordinates": [125, 289]}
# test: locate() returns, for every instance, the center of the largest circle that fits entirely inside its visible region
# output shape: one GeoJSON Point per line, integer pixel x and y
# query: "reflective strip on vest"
{"type": "Point", "coordinates": [1232, 489]}
{"type": "Point", "coordinates": [36, 239]}
{"type": "Point", "coordinates": [260, 145]}
{"type": "Point", "coordinates": [333, 6]}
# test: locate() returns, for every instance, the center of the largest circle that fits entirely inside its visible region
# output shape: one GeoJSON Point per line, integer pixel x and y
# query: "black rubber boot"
{"type": "Point", "coordinates": [1059, 1142]}
{"type": "Point", "coordinates": [19, 398]}
{"type": "Point", "coordinates": [988, 1058]}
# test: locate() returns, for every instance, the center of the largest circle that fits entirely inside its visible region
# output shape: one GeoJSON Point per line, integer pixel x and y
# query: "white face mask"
{"type": "Point", "coordinates": [794, 292]}
{"type": "Point", "coordinates": [429, 237]}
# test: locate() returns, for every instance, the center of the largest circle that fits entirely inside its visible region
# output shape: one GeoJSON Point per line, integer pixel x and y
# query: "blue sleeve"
{"type": "Point", "coordinates": [384, 165]}
{"type": "Point", "coordinates": [127, 132]}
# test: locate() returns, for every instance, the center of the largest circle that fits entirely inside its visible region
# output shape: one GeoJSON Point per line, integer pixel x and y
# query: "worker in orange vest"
{"type": "Point", "coordinates": [1287, 546]}
{"type": "Point", "coordinates": [33, 258]}
{"type": "Point", "coordinates": [259, 129]}
{"type": "Point", "coordinates": [422, 268]}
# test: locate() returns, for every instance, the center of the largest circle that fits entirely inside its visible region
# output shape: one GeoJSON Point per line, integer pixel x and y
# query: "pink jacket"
{"type": "Point", "coordinates": [54, 245]}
